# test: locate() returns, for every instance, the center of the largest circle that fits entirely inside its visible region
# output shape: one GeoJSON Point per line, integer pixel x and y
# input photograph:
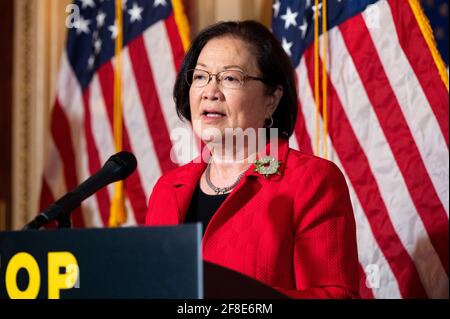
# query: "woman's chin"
{"type": "Point", "coordinates": [211, 135]}
{"type": "Point", "coordinates": [208, 133]}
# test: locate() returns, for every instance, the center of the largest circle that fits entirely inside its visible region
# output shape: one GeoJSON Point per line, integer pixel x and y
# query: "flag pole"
{"type": "Point", "coordinates": [316, 72]}
{"type": "Point", "coordinates": [118, 214]}
{"type": "Point", "coordinates": [324, 79]}
{"type": "Point", "coordinates": [427, 33]}
{"type": "Point", "coordinates": [182, 23]}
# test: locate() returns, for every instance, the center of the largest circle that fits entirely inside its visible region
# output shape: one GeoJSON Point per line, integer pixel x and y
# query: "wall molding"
{"type": "Point", "coordinates": [39, 36]}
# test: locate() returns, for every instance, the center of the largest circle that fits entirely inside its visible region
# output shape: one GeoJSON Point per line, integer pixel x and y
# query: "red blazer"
{"type": "Point", "coordinates": [294, 232]}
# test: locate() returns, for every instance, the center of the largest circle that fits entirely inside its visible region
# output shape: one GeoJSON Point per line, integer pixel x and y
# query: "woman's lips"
{"type": "Point", "coordinates": [210, 117]}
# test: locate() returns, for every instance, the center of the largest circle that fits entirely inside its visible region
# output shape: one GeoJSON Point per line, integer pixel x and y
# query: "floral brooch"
{"type": "Point", "coordinates": [267, 166]}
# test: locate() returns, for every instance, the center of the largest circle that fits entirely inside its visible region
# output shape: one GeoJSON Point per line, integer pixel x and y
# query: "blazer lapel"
{"type": "Point", "coordinates": [253, 183]}
{"type": "Point", "coordinates": [184, 185]}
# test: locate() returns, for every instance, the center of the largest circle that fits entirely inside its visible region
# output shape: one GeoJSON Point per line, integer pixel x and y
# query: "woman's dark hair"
{"type": "Point", "coordinates": [274, 64]}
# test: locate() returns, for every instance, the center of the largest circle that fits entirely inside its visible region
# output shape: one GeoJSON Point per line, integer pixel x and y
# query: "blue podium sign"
{"type": "Point", "coordinates": [138, 262]}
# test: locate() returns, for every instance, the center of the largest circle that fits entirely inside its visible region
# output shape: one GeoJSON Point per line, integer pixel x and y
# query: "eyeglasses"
{"type": "Point", "coordinates": [230, 79]}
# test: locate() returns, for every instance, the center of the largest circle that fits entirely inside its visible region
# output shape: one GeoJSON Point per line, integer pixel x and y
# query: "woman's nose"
{"type": "Point", "coordinates": [212, 91]}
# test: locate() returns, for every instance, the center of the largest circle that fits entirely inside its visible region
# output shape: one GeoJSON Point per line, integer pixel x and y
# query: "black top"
{"type": "Point", "coordinates": [203, 207]}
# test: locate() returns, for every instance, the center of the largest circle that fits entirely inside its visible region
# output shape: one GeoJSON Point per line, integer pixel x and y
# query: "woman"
{"type": "Point", "coordinates": [285, 220]}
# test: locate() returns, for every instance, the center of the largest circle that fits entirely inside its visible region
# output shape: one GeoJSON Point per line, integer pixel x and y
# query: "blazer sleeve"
{"type": "Point", "coordinates": [151, 205]}
{"type": "Point", "coordinates": [325, 252]}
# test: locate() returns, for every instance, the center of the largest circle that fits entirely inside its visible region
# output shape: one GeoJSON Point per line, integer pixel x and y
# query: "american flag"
{"type": "Point", "coordinates": [81, 137]}
{"type": "Point", "coordinates": [387, 119]}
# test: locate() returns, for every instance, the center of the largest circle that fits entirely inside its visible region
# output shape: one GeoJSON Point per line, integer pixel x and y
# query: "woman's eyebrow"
{"type": "Point", "coordinates": [226, 67]}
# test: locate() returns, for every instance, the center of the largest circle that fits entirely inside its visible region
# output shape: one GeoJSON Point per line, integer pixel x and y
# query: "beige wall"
{"type": "Point", "coordinates": [210, 11]}
{"type": "Point", "coordinates": [39, 38]}
{"type": "Point", "coordinates": [39, 34]}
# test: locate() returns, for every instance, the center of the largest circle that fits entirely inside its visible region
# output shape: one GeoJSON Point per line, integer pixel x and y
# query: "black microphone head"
{"type": "Point", "coordinates": [126, 162]}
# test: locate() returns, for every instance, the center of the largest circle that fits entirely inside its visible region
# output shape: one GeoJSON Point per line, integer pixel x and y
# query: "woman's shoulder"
{"type": "Point", "coordinates": [301, 163]}
{"type": "Point", "coordinates": [181, 174]}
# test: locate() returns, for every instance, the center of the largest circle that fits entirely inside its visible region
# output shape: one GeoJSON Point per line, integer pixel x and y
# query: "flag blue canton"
{"type": "Point", "coordinates": [293, 21]}
{"type": "Point", "coordinates": [92, 42]}
{"type": "Point", "coordinates": [437, 13]}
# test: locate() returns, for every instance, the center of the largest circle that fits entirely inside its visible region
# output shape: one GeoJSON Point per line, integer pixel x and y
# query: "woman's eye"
{"type": "Point", "coordinates": [230, 78]}
{"type": "Point", "coordinates": [198, 77]}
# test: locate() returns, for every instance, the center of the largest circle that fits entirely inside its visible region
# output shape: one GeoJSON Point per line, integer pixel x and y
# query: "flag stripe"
{"type": "Point", "coordinates": [53, 174]}
{"type": "Point", "coordinates": [150, 102]}
{"type": "Point", "coordinates": [69, 100]}
{"type": "Point", "coordinates": [164, 73]}
{"type": "Point", "coordinates": [102, 131]}
{"type": "Point", "coordinates": [131, 213]}
{"type": "Point", "coordinates": [418, 54]}
{"type": "Point", "coordinates": [364, 291]}
{"type": "Point", "coordinates": [175, 41]}
{"type": "Point", "coordinates": [397, 133]}
{"type": "Point", "coordinates": [46, 196]}
{"type": "Point", "coordinates": [102, 195]}
{"type": "Point", "coordinates": [178, 53]}
{"type": "Point", "coordinates": [139, 133]}
{"type": "Point", "coordinates": [358, 168]}
{"type": "Point", "coordinates": [293, 143]}
{"type": "Point", "coordinates": [60, 131]}
{"type": "Point", "coordinates": [133, 184]}
{"type": "Point", "coordinates": [369, 250]}
{"type": "Point", "coordinates": [304, 141]}
{"type": "Point", "coordinates": [421, 120]}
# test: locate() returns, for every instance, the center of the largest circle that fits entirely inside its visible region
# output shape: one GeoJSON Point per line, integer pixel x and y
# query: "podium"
{"type": "Point", "coordinates": [126, 263]}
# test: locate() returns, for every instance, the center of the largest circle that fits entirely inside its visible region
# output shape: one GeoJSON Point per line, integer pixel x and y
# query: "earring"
{"type": "Point", "coordinates": [271, 122]}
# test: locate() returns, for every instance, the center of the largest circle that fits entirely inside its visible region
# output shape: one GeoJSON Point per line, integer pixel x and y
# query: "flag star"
{"type": "Point", "coordinates": [114, 30]}
{"type": "Point", "coordinates": [135, 13]}
{"type": "Point", "coordinates": [303, 27]}
{"type": "Point", "coordinates": [289, 18]}
{"type": "Point", "coordinates": [97, 46]}
{"type": "Point", "coordinates": [87, 3]}
{"type": "Point", "coordinates": [124, 4]}
{"type": "Point", "coordinates": [308, 3]}
{"type": "Point", "coordinates": [101, 16]}
{"type": "Point", "coordinates": [276, 8]}
{"type": "Point", "coordinates": [287, 46]}
{"type": "Point", "coordinates": [83, 26]}
{"type": "Point", "coordinates": [319, 6]}
{"type": "Point", "coordinates": [91, 62]}
{"type": "Point", "coordinates": [159, 3]}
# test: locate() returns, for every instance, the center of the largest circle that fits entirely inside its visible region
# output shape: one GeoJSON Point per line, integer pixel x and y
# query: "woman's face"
{"type": "Point", "coordinates": [214, 106]}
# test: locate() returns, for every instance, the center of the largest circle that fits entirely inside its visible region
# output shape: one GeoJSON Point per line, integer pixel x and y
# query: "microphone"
{"type": "Point", "coordinates": [118, 167]}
